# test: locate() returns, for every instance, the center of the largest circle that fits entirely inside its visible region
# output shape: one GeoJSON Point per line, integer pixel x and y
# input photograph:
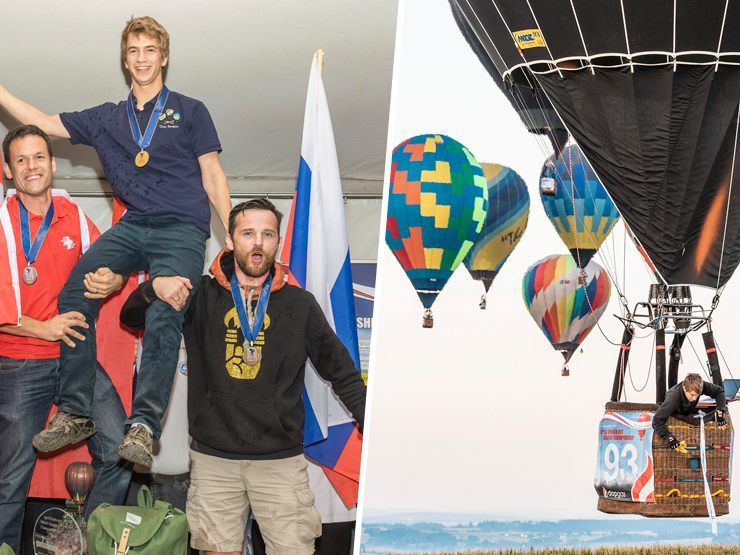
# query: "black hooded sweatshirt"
{"type": "Point", "coordinates": [239, 412]}
{"type": "Point", "coordinates": [677, 403]}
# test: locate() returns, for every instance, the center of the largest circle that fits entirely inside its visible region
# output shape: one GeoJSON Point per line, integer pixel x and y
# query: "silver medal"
{"type": "Point", "coordinates": [252, 354]}
{"type": "Point", "coordinates": [29, 275]}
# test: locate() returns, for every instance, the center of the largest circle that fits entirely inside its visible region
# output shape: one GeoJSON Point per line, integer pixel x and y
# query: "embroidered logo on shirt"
{"type": "Point", "coordinates": [169, 119]}
{"type": "Point", "coordinates": [68, 243]}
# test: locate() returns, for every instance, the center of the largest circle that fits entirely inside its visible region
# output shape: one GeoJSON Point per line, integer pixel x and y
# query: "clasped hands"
{"type": "Point", "coordinates": [98, 285]}
{"type": "Point", "coordinates": [174, 290]}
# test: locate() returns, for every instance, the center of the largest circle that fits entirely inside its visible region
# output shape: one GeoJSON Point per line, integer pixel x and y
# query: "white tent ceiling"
{"type": "Point", "coordinates": [247, 60]}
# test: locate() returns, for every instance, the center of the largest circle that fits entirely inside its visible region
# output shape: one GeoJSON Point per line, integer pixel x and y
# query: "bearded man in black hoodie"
{"type": "Point", "coordinates": [248, 335]}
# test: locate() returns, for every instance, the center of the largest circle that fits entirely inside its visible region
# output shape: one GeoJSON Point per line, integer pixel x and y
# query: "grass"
{"type": "Point", "coordinates": [665, 550]}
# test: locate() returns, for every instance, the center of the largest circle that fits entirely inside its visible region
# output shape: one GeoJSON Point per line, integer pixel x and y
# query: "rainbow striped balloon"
{"type": "Point", "coordinates": [508, 213]}
{"type": "Point", "coordinates": [436, 208]}
{"type": "Point", "coordinates": [564, 309]}
{"type": "Point", "coordinates": [582, 228]}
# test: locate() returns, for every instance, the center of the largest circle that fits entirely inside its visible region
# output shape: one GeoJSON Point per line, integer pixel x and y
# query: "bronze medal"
{"type": "Point", "coordinates": [141, 159]}
{"type": "Point", "coordinates": [252, 355]}
{"type": "Point", "coordinates": [30, 275]}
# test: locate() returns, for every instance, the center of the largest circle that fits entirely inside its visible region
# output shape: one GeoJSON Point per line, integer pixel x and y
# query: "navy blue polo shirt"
{"type": "Point", "coordinates": [170, 185]}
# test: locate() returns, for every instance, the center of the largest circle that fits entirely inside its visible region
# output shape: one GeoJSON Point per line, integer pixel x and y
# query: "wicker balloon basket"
{"type": "Point", "coordinates": [678, 478]}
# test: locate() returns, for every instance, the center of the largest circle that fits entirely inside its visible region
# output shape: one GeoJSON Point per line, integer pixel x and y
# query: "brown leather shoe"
{"type": "Point", "coordinates": [63, 429]}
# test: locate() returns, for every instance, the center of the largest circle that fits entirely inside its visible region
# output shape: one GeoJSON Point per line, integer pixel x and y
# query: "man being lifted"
{"type": "Point", "coordinates": [159, 150]}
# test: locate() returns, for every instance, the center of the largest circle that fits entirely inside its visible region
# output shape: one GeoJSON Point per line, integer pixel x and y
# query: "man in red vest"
{"type": "Point", "coordinates": [42, 236]}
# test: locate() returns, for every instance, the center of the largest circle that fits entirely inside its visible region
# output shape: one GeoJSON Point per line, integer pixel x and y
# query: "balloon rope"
{"type": "Point", "coordinates": [626, 36]}
{"type": "Point", "coordinates": [580, 34]}
{"type": "Point", "coordinates": [703, 457]}
{"type": "Point", "coordinates": [675, 13]}
{"type": "Point", "coordinates": [719, 42]}
{"type": "Point", "coordinates": [650, 371]}
{"type": "Point", "coordinates": [623, 370]}
{"type": "Point", "coordinates": [701, 362]}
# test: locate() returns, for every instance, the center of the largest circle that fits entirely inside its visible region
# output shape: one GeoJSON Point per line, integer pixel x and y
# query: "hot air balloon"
{"type": "Point", "coordinates": [436, 207]}
{"type": "Point", "coordinates": [582, 224]}
{"type": "Point", "coordinates": [508, 212]}
{"type": "Point", "coordinates": [650, 91]}
{"type": "Point", "coordinates": [79, 478]}
{"type": "Point", "coordinates": [564, 309]}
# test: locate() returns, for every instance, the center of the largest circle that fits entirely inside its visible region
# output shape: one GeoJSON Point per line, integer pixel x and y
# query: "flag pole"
{"type": "Point", "coordinates": [320, 59]}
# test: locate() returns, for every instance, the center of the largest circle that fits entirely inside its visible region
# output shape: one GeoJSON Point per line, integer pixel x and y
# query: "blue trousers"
{"type": "Point", "coordinates": [166, 247]}
{"type": "Point", "coordinates": [27, 390]}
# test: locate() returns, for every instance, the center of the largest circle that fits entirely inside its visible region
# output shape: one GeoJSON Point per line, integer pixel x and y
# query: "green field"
{"type": "Point", "coordinates": [667, 550]}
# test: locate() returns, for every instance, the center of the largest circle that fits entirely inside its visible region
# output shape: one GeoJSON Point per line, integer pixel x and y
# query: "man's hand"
{"type": "Point", "coordinates": [173, 290]}
{"type": "Point", "coordinates": [673, 443]}
{"type": "Point", "coordinates": [61, 327]}
{"type": "Point", "coordinates": [720, 416]}
{"type": "Point", "coordinates": [102, 283]}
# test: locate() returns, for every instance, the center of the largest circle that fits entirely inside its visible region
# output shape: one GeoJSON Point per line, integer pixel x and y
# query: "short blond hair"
{"type": "Point", "coordinates": [693, 383]}
{"type": "Point", "coordinates": [147, 26]}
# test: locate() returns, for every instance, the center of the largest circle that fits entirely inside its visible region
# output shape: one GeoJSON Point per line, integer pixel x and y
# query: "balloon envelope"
{"type": "Point", "coordinates": [582, 224]}
{"type": "Point", "coordinates": [650, 91]}
{"type": "Point", "coordinates": [79, 478]}
{"type": "Point", "coordinates": [437, 204]}
{"type": "Point", "coordinates": [508, 212]}
{"type": "Point", "coordinates": [565, 310]}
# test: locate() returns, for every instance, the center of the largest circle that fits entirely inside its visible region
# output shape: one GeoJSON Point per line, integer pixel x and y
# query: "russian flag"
{"type": "Point", "coordinates": [318, 253]}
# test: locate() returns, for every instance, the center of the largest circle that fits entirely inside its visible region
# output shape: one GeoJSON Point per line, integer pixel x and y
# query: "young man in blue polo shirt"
{"type": "Point", "coordinates": [159, 150]}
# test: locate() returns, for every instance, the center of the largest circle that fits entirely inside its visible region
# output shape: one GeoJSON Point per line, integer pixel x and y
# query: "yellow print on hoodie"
{"type": "Point", "coordinates": [236, 366]}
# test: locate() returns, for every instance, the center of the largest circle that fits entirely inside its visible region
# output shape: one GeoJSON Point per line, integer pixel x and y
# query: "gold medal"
{"type": "Point", "coordinates": [141, 159]}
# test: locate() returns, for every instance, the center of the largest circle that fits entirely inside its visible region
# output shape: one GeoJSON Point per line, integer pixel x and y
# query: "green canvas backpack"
{"type": "Point", "coordinates": [151, 528]}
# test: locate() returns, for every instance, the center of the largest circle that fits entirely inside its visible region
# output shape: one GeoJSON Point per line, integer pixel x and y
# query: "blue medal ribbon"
{"type": "Point", "coordinates": [31, 250]}
{"type": "Point", "coordinates": [250, 332]}
{"type": "Point", "coordinates": [144, 141]}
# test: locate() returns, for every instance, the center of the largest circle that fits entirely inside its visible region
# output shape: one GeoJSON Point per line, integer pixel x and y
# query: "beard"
{"type": "Point", "coordinates": [251, 268]}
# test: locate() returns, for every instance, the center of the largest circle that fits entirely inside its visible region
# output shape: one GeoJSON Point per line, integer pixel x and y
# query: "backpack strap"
{"type": "Point", "coordinates": [145, 498]}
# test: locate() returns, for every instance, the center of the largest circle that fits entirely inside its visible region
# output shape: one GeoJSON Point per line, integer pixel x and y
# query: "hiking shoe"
{"type": "Point", "coordinates": [137, 446]}
{"type": "Point", "coordinates": [63, 429]}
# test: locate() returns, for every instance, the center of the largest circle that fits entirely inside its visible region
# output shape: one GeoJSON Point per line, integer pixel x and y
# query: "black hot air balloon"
{"type": "Point", "coordinates": [650, 91]}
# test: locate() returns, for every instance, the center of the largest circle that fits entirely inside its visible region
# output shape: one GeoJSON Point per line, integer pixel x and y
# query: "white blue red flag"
{"type": "Point", "coordinates": [318, 253]}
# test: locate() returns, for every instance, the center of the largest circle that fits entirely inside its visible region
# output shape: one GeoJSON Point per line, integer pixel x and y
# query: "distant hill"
{"type": "Point", "coordinates": [391, 537]}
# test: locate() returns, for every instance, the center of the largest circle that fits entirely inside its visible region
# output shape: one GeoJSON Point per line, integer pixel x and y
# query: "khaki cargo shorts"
{"type": "Point", "coordinates": [222, 490]}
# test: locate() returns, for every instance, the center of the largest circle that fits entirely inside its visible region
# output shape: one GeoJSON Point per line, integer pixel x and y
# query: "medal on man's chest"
{"type": "Point", "coordinates": [251, 319]}
{"type": "Point", "coordinates": [141, 159]}
{"type": "Point", "coordinates": [143, 140]}
{"type": "Point", "coordinates": [31, 249]}
{"type": "Point", "coordinates": [29, 275]}
{"type": "Point", "coordinates": [252, 354]}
